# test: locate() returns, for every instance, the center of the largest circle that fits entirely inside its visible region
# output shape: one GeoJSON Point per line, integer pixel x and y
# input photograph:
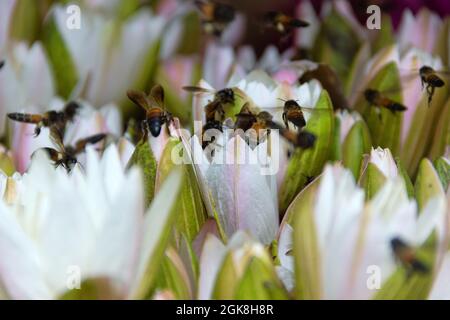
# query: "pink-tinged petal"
{"type": "Point", "coordinates": [211, 258]}
{"type": "Point", "coordinates": [179, 72]}
{"type": "Point", "coordinates": [235, 31]}
{"type": "Point", "coordinates": [286, 75]}
{"type": "Point", "coordinates": [242, 194]}
{"type": "Point", "coordinates": [304, 37]}
{"type": "Point", "coordinates": [425, 27]}
{"type": "Point", "coordinates": [208, 228]}
{"type": "Point", "coordinates": [217, 65]}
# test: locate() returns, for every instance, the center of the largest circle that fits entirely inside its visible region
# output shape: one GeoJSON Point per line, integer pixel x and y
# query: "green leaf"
{"type": "Point", "coordinates": [441, 139]}
{"type": "Point", "coordinates": [441, 47]}
{"type": "Point", "coordinates": [307, 260]}
{"type": "Point", "coordinates": [143, 157]}
{"type": "Point", "coordinates": [415, 286]}
{"type": "Point", "coordinates": [64, 70]}
{"type": "Point", "coordinates": [25, 21]}
{"type": "Point", "coordinates": [442, 166]}
{"type": "Point", "coordinates": [425, 123]}
{"type": "Point", "coordinates": [7, 163]}
{"type": "Point", "coordinates": [260, 282]}
{"type": "Point", "coordinates": [158, 225]}
{"type": "Point", "coordinates": [92, 289]}
{"type": "Point", "coordinates": [191, 211]}
{"type": "Point", "coordinates": [144, 78]}
{"type": "Point", "coordinates": [384, 125]}
{"type": "Point", "coordinates": [408, 184]}
{"type": "Point", "coordinates": [372, 180]}
{"type": "Point", "coordinates": [385, 36]}
{"type": "Point", "coordinates": [336, 150]}
{"type": "Point", "coordinates": [226, 279]}
{"type": "Point", "coordinates": [428, 184]}
{"type": "Point", "coordinates": [356, 144]}
{"type": "Point", "coordinates": [174, 277]}
{"type": "Point", "coordinates": [305, 164]}
{"type": "Point", "coordinates": [336, 44]}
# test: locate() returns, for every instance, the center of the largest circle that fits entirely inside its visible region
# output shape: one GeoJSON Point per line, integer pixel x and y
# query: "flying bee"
{"type": "Point", "coordinates": [214, 110]}
{"type": "Point", "coordinates": [406, 255]}
{"type": "Point", "coordinates": [430, 80]}
{"type": "Point", "coordinates": [66, 156]}
{"type": "Point", "coordinates": [377, 99]}
{"type": "Point", "coordinates": [215, 16]}
{"type": "Point", "coordinates": [49, 119]}
{"type": "Point", "coordinates": [153, 104]}
{"type": "Point", "coordinates": [282, 23]}
{"type": "Point", "coordinates": [245, 118]}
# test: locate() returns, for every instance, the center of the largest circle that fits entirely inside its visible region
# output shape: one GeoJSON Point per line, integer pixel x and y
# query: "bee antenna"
{"type": "Point", "coordinates": [281, 99]}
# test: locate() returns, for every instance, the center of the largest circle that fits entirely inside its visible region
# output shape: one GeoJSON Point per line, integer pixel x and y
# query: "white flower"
{"type": "Point", "coordinates": [353, 236]}
{"type": "Point", "coordinates": [235, 184]}
{"type": "Point", "coordinates": [111, 58]}
{"type": "Point", "coordinates": [94, 222]}
{"type": "Point", "coordinates": [347, 120]}
{"type": "Point", "coordinates": [383, 160]}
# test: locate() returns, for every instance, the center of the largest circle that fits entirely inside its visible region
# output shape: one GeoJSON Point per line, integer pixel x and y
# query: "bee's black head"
{"type": "Point", "coordinates": [306, 139]}
{"type": "Point", "coordinates": [425, 69]}
{"type": "Point", "coordinates": [224, 13]}
{"type": "Point", "coordinates": [2, 63]}
{"type": "Point", "coordinates": [291, 104]}
{"type": "Point", "coordinates": [154, 125]}
{"type": "Point", "coordinates": [370, 94]}
{"type": "Point", "coordinates": [397, 243]}
{"type": "Point", "coordinates": [226, 95]}
{"type": "Point", "coordinates": [71, 109]}
{"type": "Point", "coordinates": [69, 162]}
{"type": "Point", "coordinates": [217, 125]}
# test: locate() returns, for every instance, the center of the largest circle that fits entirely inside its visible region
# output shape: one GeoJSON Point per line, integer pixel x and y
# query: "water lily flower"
{"type": "Point", "coordinates": [226, 270]}
{"type": "Point", "coordinates": [88, 225]}
{"type": "Point", "coordinates": [350, 237]}
{"type": "Point", "coordinates": [238, 187]}
{"type": "Point", "coordinates": [102, 49]}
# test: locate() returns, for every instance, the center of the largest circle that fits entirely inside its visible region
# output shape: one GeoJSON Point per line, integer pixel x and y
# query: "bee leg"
{"type": "Point", "coordinates": [37, 130]}
{"type": "Point", "coordinates": [144, 128]}
{"type": "Point", "coordinates": [285, 120]}
{"type": "Point", "coordinates": [430, 92]}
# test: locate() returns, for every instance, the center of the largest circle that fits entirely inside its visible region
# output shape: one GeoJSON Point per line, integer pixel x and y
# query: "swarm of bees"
{"type": "Point", "coordinates": [56, 121]}
{"type": "Point", "coordinates": [407, 257]}
{"type": "Point", "coordinates": [216, 16]}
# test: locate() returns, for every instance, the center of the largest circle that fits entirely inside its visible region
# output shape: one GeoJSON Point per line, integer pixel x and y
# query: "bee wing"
{"type": "Point", "coordinates": [139, 98]}
{"type": "Point", "coordinates": [304, 109]}
{"type": "Point", "coordinates": [81, 144]}
{"type": "Point", "coordinates": [197, 90]}
{"type": "Point", "coordinates": [156, 96]}
{"type": "Point", "coordinates": [56, 137]}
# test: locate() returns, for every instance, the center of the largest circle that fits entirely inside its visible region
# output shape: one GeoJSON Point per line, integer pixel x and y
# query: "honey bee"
{"type": "Point", "coordinates": [210, 125]}
{"type": "Point", "coordinates": [430, 80]}
{"type": "Point", "coordinates": [377, 99]}
{"type": "Point", "coordinates": [66, 156]}
{"type": "Point", "coordinates": [245, 118]}
{"type": "Point", "coordinates": [215, 16]}
{"type": "Point", "coordinates": [406, 255]}
{"type": "Point", "coordinates": [153, 104]}
{"type": "Point", "coordinates": [283, 23]}
{"type": "Point", "coordinates": [2, 64]}
{"type": "Point", "coordinates": [214, 109]}
{"type": "Point", "coordinates": [49, 119]}
{"type": "Point", "coordinates": [264, 121]}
